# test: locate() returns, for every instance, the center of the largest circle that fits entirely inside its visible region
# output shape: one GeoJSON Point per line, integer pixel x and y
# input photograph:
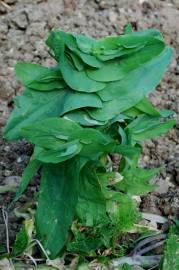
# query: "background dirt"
{"type": "Point", "coordinates": [23, 27]}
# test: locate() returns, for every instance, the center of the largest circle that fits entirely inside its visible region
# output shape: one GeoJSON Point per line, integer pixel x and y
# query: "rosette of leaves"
{"type": "Point", "coordinates": [92, 103]}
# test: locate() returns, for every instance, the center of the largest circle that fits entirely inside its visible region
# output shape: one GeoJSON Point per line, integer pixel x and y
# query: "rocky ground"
{"type": "Point", "coordinates": [23, 27]}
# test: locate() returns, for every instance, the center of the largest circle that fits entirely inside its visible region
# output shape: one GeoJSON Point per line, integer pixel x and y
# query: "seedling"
{"type": "Point", "coordinates": [92, 103]}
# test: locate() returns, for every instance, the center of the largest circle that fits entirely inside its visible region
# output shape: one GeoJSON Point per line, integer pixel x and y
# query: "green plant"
{"type": "Point", "coordinates": [93, 103]}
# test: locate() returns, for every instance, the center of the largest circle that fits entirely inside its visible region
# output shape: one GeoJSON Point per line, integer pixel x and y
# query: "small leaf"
{"type": "Point", "coordinates": [147, 107]}
{"type": "Point", "coordinates": [147, 127]}
{"type": "Point", "coordinates": [29, 172]}
{"type": "Point", "coordinates": [23, 238]}
{"type": "Point", "coordinates": [128, 28]}
{"type": "Point", "coordinates": [85, 43]}
{"type": "Point", "coordinates": [135, 181]}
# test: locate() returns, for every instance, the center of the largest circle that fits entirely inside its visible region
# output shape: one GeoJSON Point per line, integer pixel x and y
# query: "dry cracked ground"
{"type": "Point", "coordinates": [23, 27]}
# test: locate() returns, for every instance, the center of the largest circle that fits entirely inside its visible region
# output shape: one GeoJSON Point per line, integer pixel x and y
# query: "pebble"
{"type": "Point", "coordinates": [22, 158]}
{"type": "Point", "coordinates": [7, 173]}
{"type": "Point", "coordinates": [20, 19]}
{"type": "Point", "coordinates": [12, 180]}
{"type": "Point", "coordinates": [7, 148]}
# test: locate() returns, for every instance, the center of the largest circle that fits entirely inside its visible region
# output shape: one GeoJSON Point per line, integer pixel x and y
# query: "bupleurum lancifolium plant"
{"type": "Point", "coordinates": [91, 104]}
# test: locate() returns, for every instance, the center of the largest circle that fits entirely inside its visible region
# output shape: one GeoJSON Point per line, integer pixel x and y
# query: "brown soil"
{"type": "Point", "coordinates": [23, 27]}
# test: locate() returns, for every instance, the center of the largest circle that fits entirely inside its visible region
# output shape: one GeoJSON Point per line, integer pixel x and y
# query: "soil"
{"type": "Point", "coordinates": [24, 25]}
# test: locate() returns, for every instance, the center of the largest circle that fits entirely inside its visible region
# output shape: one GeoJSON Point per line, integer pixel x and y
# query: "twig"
{"type": "Point", "coordinates": [26, 259]}
{"type": "Point", "coordinates": [5, 4]}
{"type": "Point", "coordinates": [149, 248]}
{"type": "Point", "coordinates": [147, 241]}
{"type": "Point", "coordinates": [42, 248]}
{"type": "Point", "coordinates": [5, 218]}
{"type": "Point", "coordinates": [31, 258]}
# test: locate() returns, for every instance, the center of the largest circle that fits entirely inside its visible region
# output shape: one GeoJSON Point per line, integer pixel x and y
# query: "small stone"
{"type": "Point", "coordinates": [112, 16]}
{"type": "Point", "coordinates": [7, 148]}
{"type": "Point", "coordinates": [7, 173]}
{"type": "Point", "coordinates": [20, 19]}
{"type": "Point", "coordinates": [167, 210]}
{"type": "Point", "coordinates": [13, 180]}
{"type": "Point", "coordinates": [163, 186]}
{"type": "Point", "coordinates": [22, 158]}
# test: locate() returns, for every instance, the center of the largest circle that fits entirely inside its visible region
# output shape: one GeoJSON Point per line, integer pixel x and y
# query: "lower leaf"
{"type": "Point", "coordinates": [91, 207]}
{"type": "Point", "coordinates": [56, 204]}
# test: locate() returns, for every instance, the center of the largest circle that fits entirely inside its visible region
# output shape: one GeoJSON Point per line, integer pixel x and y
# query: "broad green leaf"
{"type": "Point", "coordinates": [30, 107]}
{"type": "Point", "coordinates": [57, 38]}
{"type": "Point", "coordinates": [74, 100]}
{"type": "Point", "coordinates": [54, 133]}
{"type": "Point", "coordinates": [147, 107]}
{"type": "Point", "coordinates": [54, 42]}
{"type": "Point", "coordinates": [62, 153]}
{"type": "Point", "coordinates": [132, 112]}
{"type": "Point", "coordinates": [117, 69]}
{"type": "Point", "coordinates": [56, 204]}
{"type": "Point", "coordinates": [90, 60]}
{"type": "Point", "coordinates": [94, 142]}
{"type": "Point", "coordinates": [124, 94]}
{"type": "Point", "coordinates": [29, 172]}
{"type": "Point", "coordinates": [91, 206]}
{"type": "Point", "coordinates": [136, 181]}
{"type": "Point", "coordinates": [120, 118]}
{"type": "Point", "coordinates": [77, 80]}
{"type": "Point", "coordinates": [33, 106]}
{"type": "Point", "coordinates": [38, 77]}
{"type": "Point", "coordinates": [120, 52]}
{"type": "Point", "coordinates": [127, 150]}
{"type": "Point", "coordinates": [71, 42]}
{"type": "Point", "coordinates": [154, 131]}
{"type": "Point", "coordinates": [47, 86]}
{"type": "Point", "coordinates": [142, 122]}
{"type": "Point", "coordinates": [147, 127]}
{"type": "Point", "coordinates": [135, 39]}
{"type": "Point", "coordinates": [108, 44]}
{"type": "Point", "coordinates": [130, 155]}
{"type": "Point", "coordinates": [144, 79]}
{"type": "Point", "coordinates": [84, 43]}
{"type": "Point", "coordinates": [50, 133]}
{"type": "Point", "coordinates": [83, 118]}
